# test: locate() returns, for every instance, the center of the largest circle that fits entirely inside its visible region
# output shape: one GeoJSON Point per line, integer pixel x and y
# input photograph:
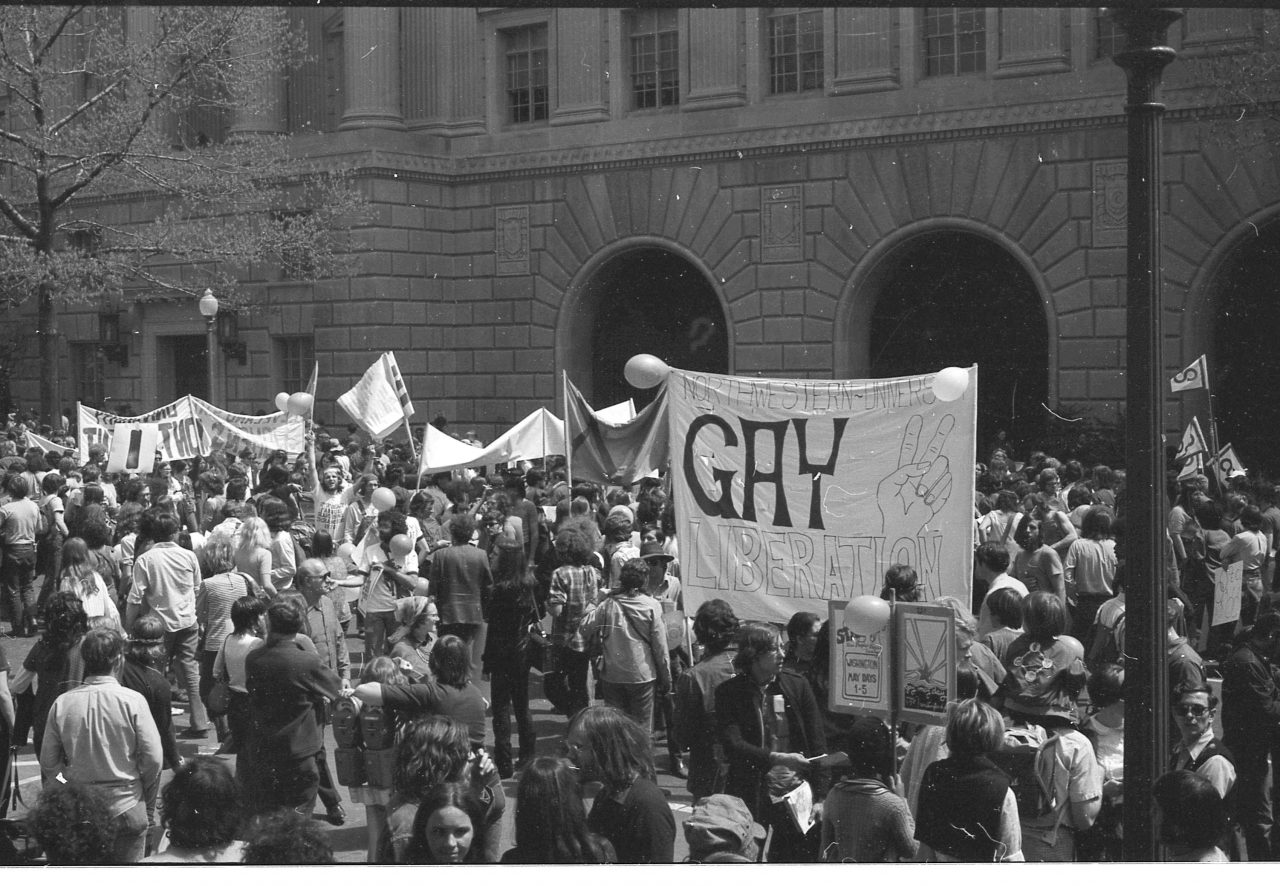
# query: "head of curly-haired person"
{"type": "Point", "coordinates": [715, 625]}
{"type": "Point", "coordinates": [275, 512]}
{"type": "Point", "coordinates": [287, 837]}
{"type": "Point", "coordinates": [633, 576]}
{"type": "Point", "coordinates": [159, 524]}
{"type": "Point", "coordinates": [64, 619]}
{"type": "Point", "coordinates": [573, 546]}
{"type": "Point", "coordinates": [450, 661]}
{"type": "Point", "coordinates": [201, 805]}
{"type": "Point", "coordinates": [74, 824]}
{"type": "Point", "coordinates": [432, 750]}
{"type": "Point", "coordinates": [461, 528]}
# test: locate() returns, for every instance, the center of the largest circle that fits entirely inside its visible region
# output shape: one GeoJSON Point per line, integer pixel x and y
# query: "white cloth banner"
{"type": "Point", "coordinates": [791, 493]}
{"type": "Point", "coordinates": [379, 402]}
{"type": "Point", "coordinates": [189, 427]}
{"type": "Point", "coordinates": [537, 435]}
{"type": "Point", "coordinates": [46, 445]}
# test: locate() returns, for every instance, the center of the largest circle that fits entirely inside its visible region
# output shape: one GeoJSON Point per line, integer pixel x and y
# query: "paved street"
{"type": "Point", "coordinates": [349, 841]}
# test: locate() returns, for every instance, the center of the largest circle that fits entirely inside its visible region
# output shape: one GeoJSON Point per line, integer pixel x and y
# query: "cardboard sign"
{"type": "Point", "coordinates": [926, 662]}
{"type": "Point", "coordinates": [790, 494]}
{"type": "Point", "coordinates": [133, 448]}
{"type": "Point", "coordinates": [1228, 586]}
{"type": "Point", "coordinates": [860, 672]}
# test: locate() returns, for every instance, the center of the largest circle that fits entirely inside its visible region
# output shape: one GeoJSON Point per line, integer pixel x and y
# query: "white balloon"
{"type": "Point", "coordinates": [299, 404]}
{"type": "Point", "coordinates": [645, 371]}
{"type": "Point", "coordinates": [950, 383]}
{"type": "Point", "coordinates": [282, 401]}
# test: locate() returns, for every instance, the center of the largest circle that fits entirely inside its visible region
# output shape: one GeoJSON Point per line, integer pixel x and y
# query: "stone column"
{"type": "Point", "coordinates": [371, 49]}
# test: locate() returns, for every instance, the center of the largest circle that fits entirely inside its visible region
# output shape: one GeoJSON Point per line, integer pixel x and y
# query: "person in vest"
{"type": "Point", "coordinates": [1199, 750]}
{"type": "Point", "coordinates": [967, 812]}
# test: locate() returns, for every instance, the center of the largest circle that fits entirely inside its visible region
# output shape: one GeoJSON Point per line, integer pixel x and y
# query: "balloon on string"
{"type": "Point", "coordinates": [383, 499]}
{"type": "Point", "coordinates": [950, 383]}
{"type": "Point", "coordinates": [400, 545]}
{"type": "Point", "coordinates": [299, 404]}
{"type": "Point", "coordinates": [282, 401]}
{"type": "Point", "coordinates": [645, 371]}
{"type": "Point", "coordinates": [867, 615]}
{"type": "Point", "coordinates": [346, 550]}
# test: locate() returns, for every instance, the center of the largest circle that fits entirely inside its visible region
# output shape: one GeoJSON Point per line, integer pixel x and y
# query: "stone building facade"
{"type": "Point", "coordinates": [784, 192]}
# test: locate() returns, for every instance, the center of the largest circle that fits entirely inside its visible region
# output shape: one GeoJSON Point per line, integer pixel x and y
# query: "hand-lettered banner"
{"type": "Point", "coordinates": [189, 427]}
{"type": "Point", "coordinates": [791, 493]}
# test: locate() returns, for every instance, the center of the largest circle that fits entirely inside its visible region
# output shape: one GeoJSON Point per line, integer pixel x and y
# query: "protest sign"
{"type": "Point", "coordinates": [133, 448]}
{"type": "Point", "coordinates": [1228, 586]}
{"type": "Point", "coordinates": [793, 493]}
{"type": "Point", "coordinates": [189, 427]}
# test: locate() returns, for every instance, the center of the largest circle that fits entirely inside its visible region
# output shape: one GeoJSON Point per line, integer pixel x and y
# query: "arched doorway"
{"type": "Point", "coordinates": [1244, 360]}
{"type": "Point", "coordinates": [648, 300]}
{"type": "Point", "coordinates": [951, 298]}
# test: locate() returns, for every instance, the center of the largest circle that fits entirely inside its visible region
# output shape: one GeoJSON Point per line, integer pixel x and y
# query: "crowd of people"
{"type": "Point", "coordinates": [237, 588]}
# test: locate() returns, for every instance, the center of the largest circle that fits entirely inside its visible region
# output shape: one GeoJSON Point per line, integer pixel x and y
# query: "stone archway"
{"type": "Point", "coordinates": [1244, 360]}
{"type": "Point", "coordinates": [952, 296]}
{"type": "Point", "coordinates": [642, 298]}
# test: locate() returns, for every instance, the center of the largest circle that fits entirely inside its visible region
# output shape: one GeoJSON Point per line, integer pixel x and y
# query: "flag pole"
{"type": "Point", "coordinates": [568, 444]}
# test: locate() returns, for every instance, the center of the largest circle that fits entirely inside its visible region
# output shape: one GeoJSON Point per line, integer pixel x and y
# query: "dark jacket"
{"type": "Point", "coordinates": [284, 683]}
{"type": "Point", "coordinates": [695, 724]}
{"type": "Point", "coordinates": [961, 799]}
{"type": "Point", "coordinates": [466, 705]}
{"type": "Point", "coordinates": [1250, 701]}
{"type": "Point", "coordinates": [639, 824]}
{"type": "Point", "coordinates": [151, 685]}
{"type": "Point", "coordinates": [741, 731]}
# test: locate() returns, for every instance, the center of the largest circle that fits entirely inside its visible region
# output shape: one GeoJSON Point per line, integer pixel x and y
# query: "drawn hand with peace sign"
{"type": "Point", "coordinates": [914, 493]}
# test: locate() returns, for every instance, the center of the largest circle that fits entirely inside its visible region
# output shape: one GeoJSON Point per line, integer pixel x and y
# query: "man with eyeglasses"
{"type": "Point", "coordinates": [1251, 726]}
{"type": "Point", "coordinates": [312, 583]}
{"type": "Point", "coordinates": [1198, 750]}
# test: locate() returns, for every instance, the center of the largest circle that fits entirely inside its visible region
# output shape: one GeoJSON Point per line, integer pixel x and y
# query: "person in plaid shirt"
{"type": "Point", "coordinates": [574, 587]}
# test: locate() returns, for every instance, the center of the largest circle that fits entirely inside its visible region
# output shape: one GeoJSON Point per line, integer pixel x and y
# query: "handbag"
{"type": "Point", "coordinates": [219, 701]}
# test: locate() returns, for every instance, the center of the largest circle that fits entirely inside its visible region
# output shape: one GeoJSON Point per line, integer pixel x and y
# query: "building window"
{"type": "Point", "coordinates": [1108, 37]}
{"type": "Point", "coordinates": [89, 367]}
{"type": "Point", "coordinates": [955, 41]}
{"type": "Point", "coordinates": [295, 358]}
{"type": "Point", "coordinates": [795, 51]}
{"type": "Point", "coordinates": [655, 50]}
{"type": "Point", "coordinates": [526, 54]}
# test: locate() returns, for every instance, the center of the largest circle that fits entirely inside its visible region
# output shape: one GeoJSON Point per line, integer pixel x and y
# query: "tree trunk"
{"type": "Point", "coordinates": [47, 323]}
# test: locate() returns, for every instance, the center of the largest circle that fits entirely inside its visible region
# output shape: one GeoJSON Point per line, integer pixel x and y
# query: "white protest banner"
{"type": "Point", "coordinates": [133, 447]}
{"type": "Point", "coordinates": [263, 434]}
{"type": "Point", "coordinates": [1228, 587]}
{"type": "Point", "coordinates": [792, 493]}
{"type": "Point", "coordinates": [46, 445]}
{"type": "Point", "coordinates": [191, 427]}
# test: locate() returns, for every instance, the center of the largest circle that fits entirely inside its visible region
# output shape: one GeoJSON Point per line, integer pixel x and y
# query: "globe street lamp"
{"type": "Point", "coordinates": [209, 310]}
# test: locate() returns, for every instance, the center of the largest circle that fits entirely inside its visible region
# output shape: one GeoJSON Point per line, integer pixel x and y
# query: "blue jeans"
{"type": "Point", "coordinates": [635, 699]}
{"type": "Point", "coordinates": [18, 572]}
{"type": "Point", "coordinates": [131, 835]}
{"type": "Point", "coordinates": [181, 648]}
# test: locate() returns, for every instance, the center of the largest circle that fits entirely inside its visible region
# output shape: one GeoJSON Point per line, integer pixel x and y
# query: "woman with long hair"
{"type": "Point", "coordinates": [284, 551]}
{"type": "Point", "coordinates": [414, 648]}
{"type": "Point", "coordinates": [1250, 547]}
{"type": "Point", "coordinates": [220, 589]}
{"type": "Point", "coordinates": [340, 573]}
{"type": "Point", "coordinates": [551, 819]}
{"type": "Point", "coordinates": [432, 751]}
{"type": "Point", "coordinates": [55, 658]}
{"type": "Point", "coordinates": [96, 532]}
{"type": "Point", "coordinates": [247, 631]}
{"type": "Point", "coordinates": [80, 577]}
{"type": "Point", "coordinates": [510, 607]}
{"type": "Point", "coordinates": [610, 747]}
{"type": "Point", "coordinates": [252, 555]}
{"type": "Point", "coordinates": [449, 827]}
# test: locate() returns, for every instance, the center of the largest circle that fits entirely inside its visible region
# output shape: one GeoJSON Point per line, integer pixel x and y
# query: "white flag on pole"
{"type": "Point", "coordinates": [1194, 376]}
{"type": "Point", "coordinates": [1226, 464]}
{"type": "Point", "coordinates": [1194, 466]}
{"type": "Point", "coordinates": [380, 401]}
{"type": "Point", "coordinates": [1192, 441]}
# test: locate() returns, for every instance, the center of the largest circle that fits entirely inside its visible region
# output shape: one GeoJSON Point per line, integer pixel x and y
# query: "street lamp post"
{"type": "Point", "coordinates": [1145, 55]}
{"type": "Point", "coordinates": [209, 310]}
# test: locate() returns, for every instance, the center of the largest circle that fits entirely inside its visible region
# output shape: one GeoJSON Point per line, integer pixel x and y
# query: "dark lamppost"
{"type": "Point", "coordinates": [209, 310]}
{"type": "Point", "coordinates": [1143, 59]}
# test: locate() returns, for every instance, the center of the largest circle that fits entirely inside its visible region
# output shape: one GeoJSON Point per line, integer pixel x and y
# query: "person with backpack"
{"type": "Point", "coordinates": [1056, 775]}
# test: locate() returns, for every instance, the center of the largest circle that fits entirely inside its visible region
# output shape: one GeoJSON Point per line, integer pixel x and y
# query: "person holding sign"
{"type": "Point", "coordinates": [770, 726]}
{"type": "Point", "coordinates": [1250, 547]}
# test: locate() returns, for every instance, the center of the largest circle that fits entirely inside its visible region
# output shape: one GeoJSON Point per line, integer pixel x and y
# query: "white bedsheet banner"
{"type": "Point", "coordinates": [791, 493]}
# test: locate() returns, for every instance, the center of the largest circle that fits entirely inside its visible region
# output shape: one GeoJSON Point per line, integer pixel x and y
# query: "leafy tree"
{"type": "Point", "coordinates": [104, 107]}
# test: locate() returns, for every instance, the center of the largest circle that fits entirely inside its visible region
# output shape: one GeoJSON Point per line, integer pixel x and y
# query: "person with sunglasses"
{"type": "Point", "coordinates": [1199, 750]}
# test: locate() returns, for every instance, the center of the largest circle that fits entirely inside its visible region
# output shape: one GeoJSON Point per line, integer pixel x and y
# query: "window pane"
{"type": "Point", "coordinates": [654, 46]}
{"type": "Point", "coordinates": [794, 41]}
{"type": "Point", "coordinates": [526, 59]}
{"type": "Point", "coordinates": [955, 41]}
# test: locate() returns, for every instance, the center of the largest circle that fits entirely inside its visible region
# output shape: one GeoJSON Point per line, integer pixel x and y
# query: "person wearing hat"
{"type": "Point", "coordinates": [721, 825]}
{"type": "Point", "coordinates": [863, 818]}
